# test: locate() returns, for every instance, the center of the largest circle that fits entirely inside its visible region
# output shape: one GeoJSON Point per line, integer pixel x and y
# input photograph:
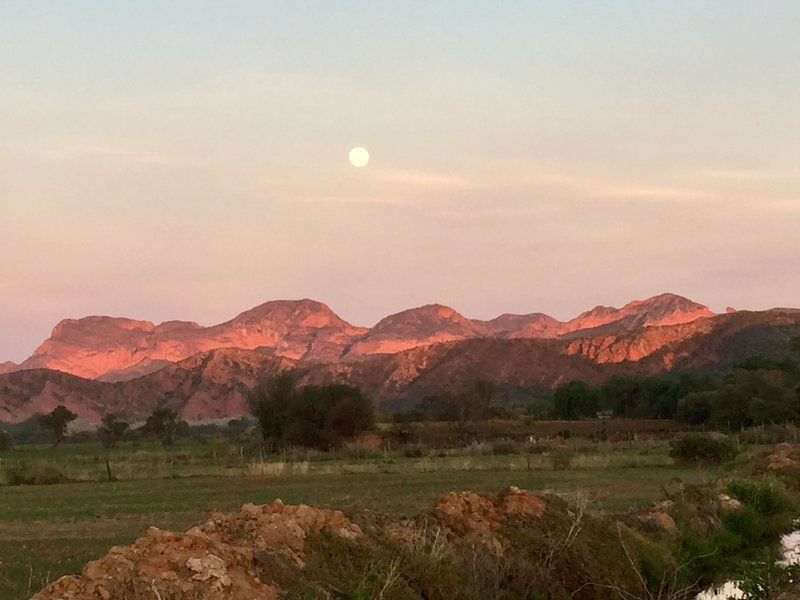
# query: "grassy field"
{"type": "Point", "coordinates": [47, 531]}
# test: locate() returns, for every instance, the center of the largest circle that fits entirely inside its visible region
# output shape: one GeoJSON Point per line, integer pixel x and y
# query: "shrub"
{"type": "Point", "coordinates": [477, 449]}
{"type": "Point", "coordinates": [769, 434]}
{"type": "Point", "coordinates": [504, 447]}
{"type": "Point", "coordinates": [356, 449]}
{"type": "Point", "coordinates": [767, 497]}
{"type": "Point", "coordinates": [562, 459]}
{"type": "Point", "coordinates": [414, 451]}
{"type": "Point", "coordinates": [34, 473]}
{"type": "Point", "coordinates": [6, 441]}
{"type": "Point", "coordinates": [703, 449]}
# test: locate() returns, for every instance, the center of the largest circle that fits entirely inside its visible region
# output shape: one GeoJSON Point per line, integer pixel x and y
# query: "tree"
{"type": "Point", "coordinates": [111, 430]}
{"type": "Point", "coordinates": [480, 400]}
{"type": "Point", "coordinates": [575, 399]}
{"type": "Point", "coordinates": [164, 424]}
{"type": "Point", "coordinates": [269, 402]}
{"type": "Point", "coordinates": [6, 441]}
{"type": "Point", "coordinates": [750, 398]}
{"type": "Point", "coordinates": [57, 421]}
{"type": "Point", "coordinates": [314, 416]}
{"type": "Point", "coordinates": [695, 408]}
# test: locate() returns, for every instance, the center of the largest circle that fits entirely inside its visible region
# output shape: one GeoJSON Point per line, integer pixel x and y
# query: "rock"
{"type": "Point", "coordinates": [661, 520]}
{"type": "Point", "coordinates": [729, 504]}
{"type": "Point", "coordinates": [208, 568]}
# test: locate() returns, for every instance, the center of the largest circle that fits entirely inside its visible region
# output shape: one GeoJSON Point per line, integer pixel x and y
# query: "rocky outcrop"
{"type": "Point", "coordinates": [533, 325]}
{"type": "Point", "coordinates": [415, 327]}
{"type": "Point", "coordinates": [118, 349]}
{"type": "Point", "coordinates": [658, 311]}
{"type": "Point", "coordinates": [636, 345]}
{"type": "Point", "coordinates": [215, 384]}
{"type": "Point", "coordinates": [8, 367]}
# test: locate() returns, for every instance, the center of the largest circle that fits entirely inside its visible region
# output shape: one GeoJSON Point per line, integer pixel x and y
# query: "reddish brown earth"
{"type": "Point", "coordinates": [471, 546]}
{"type": "Point", "coordinates": [217, 559]}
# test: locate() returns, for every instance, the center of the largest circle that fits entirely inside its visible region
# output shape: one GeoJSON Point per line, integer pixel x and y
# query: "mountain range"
{"type": "Point", "coordinates": [98, 364]}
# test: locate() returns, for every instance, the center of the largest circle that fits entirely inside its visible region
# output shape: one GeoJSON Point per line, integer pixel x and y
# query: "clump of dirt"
{"type": "Point", "coordinates": [784, 459]}
{"type": "Point", "coordinates": [216, 560]}
{"type": "Point", "coordinates": [477, 517]}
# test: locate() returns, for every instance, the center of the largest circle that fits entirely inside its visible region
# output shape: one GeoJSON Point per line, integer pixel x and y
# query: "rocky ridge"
{"type": "Point", "coordinates": [215, 384]}
{"type": "Point", "coordinates": [120, 349]}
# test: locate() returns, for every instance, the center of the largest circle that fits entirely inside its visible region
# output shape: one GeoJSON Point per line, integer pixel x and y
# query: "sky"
{"type": "Point", "coordinates": [188, 160]}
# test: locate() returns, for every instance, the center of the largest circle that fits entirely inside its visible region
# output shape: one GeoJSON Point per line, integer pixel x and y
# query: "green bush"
{"type": "Point", "coordinates": [34, 473]}
{"type": "Point", "coordinates": [767, 497]}
{"type": "Point", "coordinates": [6, 441]}
{"type": "Point", "coordinates": [699, 449]}
{"type": "Point", "coordinates": [413, 451]}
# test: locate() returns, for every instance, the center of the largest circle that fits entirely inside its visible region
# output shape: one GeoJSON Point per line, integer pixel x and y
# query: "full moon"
{"type": "Point", "coordinates": [359, 156]}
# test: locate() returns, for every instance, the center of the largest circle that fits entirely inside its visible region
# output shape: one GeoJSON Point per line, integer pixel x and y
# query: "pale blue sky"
{"type": "Point", "coordinates": [188, 159]}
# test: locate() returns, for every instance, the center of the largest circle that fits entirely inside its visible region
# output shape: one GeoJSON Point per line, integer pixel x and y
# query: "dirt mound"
{"type": "Point", "coordinates": [216, 560]}
{"type": "Point", "coordinates": [784, 459]}
{"type": "Point", "coordinates": [478, 517]}
{"type": "Point", "coordinates": [515, 544]}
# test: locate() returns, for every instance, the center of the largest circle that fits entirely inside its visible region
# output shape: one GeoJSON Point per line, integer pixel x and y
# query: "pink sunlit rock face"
{"type": "Point", "coordinates": [118, 349]}
{"type": "Point", "coordinates": [421, 326]}
{"type": "Point", "coordinates": [7, 367]}
{"type": "Point", "coordinates": [215, 384]}
{"type": "Point", "coordinates": [665, 309]}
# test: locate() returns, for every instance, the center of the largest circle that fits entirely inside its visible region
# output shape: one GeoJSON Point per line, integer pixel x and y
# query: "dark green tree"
{"type": "Point", "coordinates": [575, 399]}
{"type": "Point", "coordinates": [269, 402]}
{"type": "Point", "coordinates": [111, 430]}
{"type": "Point", "coordinates": [164, 424]}
{"type": "Point", "coordinates": [6, 441]}
{"type": "Point", "coordinates": [313, 416]}
{"type": "Point", "coordinates": [748, 398]}
{"type": "Point", "coordinates": [695, 408]}
{"type": "Point", "coordinates": [480, 400]}
{"type": "Point", "coordinates": [57, 421]}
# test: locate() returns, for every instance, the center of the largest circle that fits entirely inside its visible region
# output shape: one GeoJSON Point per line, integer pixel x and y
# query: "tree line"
{"type": "Point", "coordinates": [286, 414]}
{"type": "Point", "coordinates": [756, 392]}
{"type": "Point", "coordinates": [163, 424]}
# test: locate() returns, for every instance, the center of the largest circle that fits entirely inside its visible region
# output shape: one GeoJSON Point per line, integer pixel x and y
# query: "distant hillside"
{"type": "Point", "coordinates": [119, 349]}
{"type": "Point", "coordinates": [215, 384]}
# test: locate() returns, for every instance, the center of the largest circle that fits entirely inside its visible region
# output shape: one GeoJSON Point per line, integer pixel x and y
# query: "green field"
{"type": "Point", "coordinates": [47, 531]}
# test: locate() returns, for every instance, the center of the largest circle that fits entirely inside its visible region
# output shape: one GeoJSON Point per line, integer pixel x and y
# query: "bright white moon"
{"type": "Point", "coordinates": [359, 156]}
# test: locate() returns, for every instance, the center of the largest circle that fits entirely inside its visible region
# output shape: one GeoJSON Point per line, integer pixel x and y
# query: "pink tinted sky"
{"type": "Point", "coordinates": [190, 162]}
